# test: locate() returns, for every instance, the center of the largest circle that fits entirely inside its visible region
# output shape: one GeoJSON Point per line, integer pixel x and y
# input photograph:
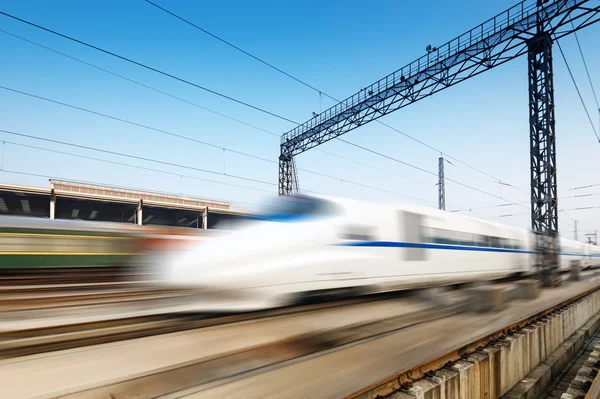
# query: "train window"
{"type": "Point", "coordinates": [361, 233]}
{"type": "Point", "coordinates": [494, 242]}
{"type": "Point", "coordinates": [449, 237]}
{"type": "Point", "coordinates": [480, 241]}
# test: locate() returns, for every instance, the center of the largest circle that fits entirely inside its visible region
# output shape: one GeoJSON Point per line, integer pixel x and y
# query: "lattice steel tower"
{"type": "Point", "coordinates": [542, 138]}
{"type": "Point", "coordinates": [441, 185]}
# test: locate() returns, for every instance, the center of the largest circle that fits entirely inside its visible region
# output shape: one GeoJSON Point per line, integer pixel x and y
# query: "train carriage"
{"type": "Point", "coordinates": [316, 244]}
{"type": "Point", "coordinates": [43, 243]}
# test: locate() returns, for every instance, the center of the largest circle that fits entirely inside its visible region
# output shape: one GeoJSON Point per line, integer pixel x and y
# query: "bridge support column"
{"type": "Point", "coordinates": [139, 213]}
{"type": "Point", "coordinates": [544, 199]}
{"type": "Point", "coordinates": [205, 218]}
{"type": "Point", "coordinates": [52, 205]}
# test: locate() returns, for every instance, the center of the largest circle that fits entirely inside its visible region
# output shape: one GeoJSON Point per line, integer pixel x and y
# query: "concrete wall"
{"type": "Point", "coordinates": [520, 365]}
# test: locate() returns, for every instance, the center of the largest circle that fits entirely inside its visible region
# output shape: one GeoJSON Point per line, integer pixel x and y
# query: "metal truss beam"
{"type": "Point", "coordinates": [490, 44]}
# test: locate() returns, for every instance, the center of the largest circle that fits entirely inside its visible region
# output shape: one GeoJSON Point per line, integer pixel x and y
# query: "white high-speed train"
{"type": "Point", "coordinates": [315, 244]}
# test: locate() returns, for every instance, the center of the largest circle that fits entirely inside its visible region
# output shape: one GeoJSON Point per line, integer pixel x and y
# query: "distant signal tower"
{"type": "Point", "coordinates": [441, 185]}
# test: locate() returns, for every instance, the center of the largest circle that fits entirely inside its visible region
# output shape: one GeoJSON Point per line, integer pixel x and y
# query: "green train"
{"type": "Point", "coordinates": [44, 243]}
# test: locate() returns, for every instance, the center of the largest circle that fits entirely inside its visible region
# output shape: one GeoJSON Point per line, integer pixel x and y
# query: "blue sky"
{"type": "Point", "coordinates": [337, 46]}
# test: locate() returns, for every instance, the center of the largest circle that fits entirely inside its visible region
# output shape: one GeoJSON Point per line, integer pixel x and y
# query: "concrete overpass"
{"type": "Point", "coordinates": [74, 200]}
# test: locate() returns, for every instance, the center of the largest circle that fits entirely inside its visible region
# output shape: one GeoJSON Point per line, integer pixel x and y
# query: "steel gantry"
{"type": "Point", "coordinates": [526, 28]}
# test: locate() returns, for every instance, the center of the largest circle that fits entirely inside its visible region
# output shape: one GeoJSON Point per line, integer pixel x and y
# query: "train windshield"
{"type": "Point", "coordinates": [293, 208]}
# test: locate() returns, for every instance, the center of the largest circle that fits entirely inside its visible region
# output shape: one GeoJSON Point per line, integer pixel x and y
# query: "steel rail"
{"type": "Point", "coordinates": [594, 391]}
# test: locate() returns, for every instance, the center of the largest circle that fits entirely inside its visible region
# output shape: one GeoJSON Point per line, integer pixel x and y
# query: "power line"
{"type": "Point", "coordinates": [451, 191]}
{"type": "Point", "coordinates": [232, 45]}
{"type": "Point", "coordinates": [371, 187]}
{"type": "Point", "coordinates": [51, 177]}
{"type": "Point", "coordinates": [121, 154]}
{"type": "Point", "coordinates": [204, 170]}
{"type": "Point", "coordinates": [425, 171]}
{"type": "Point", "coordinates": [182, 80]}
{"type": "Point", "coordinates": [136, 124]}
{"type": "Point", "coordinates": [578, 92]}
{"type": "Point", "coordinates": [265, 63]}
{"type": "Point", "coordinates": [362, 164]}
{"type": "Point", "coordinates": [525, 203]}
{"type": "Point", "coordinates": [139, 83]}
{"type": "Point", "coordinates": [176, 134]}
{"type": "Point", "coordinates": [149, 68]}
{"type": "Point", "coordinates": [163, 73]}
{"type": "Point", "coordinates": [133, 166]}
{"type": "Point", "coordinates": [582, 187]}
{"type": "Point", "coordinates": [321, 92]}
{"type": "Point", "coordinates": [586, 67]}
{"type": "Point", "coordinates": [582, 208]}
{"type": "Point", "coordinates": [499, 182]}
{"type": "Point", "coordinates": [186, 138]}
{"type": "Point", "coordinates": [182, 99]}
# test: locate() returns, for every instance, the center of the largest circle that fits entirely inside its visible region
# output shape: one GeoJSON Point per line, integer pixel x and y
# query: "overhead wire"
{"type": "Point", "coordinates": [141, 125]}
{"type": "Point", "coordinates": [578, 92]}
{"type": "Point", "coordinates": [525, 203]}
{"type": "Point", "coordinates": [581, 208]}
{"type": "Point", "coordinates": [231, 45]}
{"type": "Point", "coordinates": [145, 66]}
{"type": "Point", "coordinates": [424, 170]}
{"type": "Point", "coordinates": [53, 177]}
{"type": "Point", "coordinates": [321, 92]}
{"type": "Point", "coordinates": [586, 67]}
{"type": "Point", "coordinates": [499, 182]}
{"type": "Point", "coordinates": [204, 88]}
{"type": "Point", "coordinates": [184, 100]}
{"type": "Point", "coordinates": [132, 166]}
{"type": "Point", "coordinates": [152, 128]}
{"type": "Point", "coordinates": [204, 170]}
{"type": "Point", "coordinates": [104, 115]}
{"type": "Point", "coordinates": [137, 82]}
{"type": "Point", "coordinates": [132, 156]}
{"type": "Point", "coordinates": [581, 187]}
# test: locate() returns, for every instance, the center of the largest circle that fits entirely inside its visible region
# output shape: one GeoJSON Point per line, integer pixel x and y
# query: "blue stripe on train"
{"type": "Point", "coordinates": [399, 244]}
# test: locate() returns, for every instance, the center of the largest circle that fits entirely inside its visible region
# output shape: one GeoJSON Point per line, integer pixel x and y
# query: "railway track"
{"type": "Point", "coordinates": [118, 311]}
{"type": "Point", "coordinates": [45, 300]}
{"type": "Point", "coordinates": [266, 342]}
{"type": "Point", "coordinates": [66, 275]}
{"type": "Point", "coordinates": [293, 348]}
{"type": "Point", "coordinates": [259, 357]}
{"type": "Point", "coordinates": [160, 316]}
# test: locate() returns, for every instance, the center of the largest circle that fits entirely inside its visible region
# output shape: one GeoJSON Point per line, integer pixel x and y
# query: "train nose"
{"type": "Point", "coordinates": [180, 269]}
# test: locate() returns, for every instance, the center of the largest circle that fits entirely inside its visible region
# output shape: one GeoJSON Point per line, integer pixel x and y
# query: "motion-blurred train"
{"type": "Point", "coordinates": [31, 243]}
{"type": "Point", "coordinates": [314, 244]}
